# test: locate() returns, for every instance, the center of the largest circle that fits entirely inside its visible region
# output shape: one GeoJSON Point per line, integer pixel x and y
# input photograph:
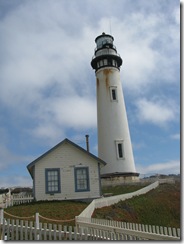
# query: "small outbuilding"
{"type": "Point", "coordinates": [66, 172]}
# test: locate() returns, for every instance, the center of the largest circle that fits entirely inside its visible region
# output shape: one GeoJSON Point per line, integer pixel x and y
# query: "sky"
{"type": "Point", "coordinates": [48, 87]}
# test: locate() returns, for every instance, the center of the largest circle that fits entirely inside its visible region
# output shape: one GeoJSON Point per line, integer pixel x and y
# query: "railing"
{"type": "Point", "coordinates": [16, 230]}
{"type": "Point", "coordinates": [107, 201]}
{"type": "Point", "coordinates": [16, 199]}
{"type": "Point", "coordinates": [19, 228]}
{"type": "Point", "coordinates": [127, 231]}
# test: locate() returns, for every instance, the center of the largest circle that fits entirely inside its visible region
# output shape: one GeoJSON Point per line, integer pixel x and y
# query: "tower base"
{"type": "Point", "coordinates": [115, 179]}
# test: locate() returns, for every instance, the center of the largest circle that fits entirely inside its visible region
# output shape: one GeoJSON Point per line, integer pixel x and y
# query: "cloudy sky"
{"type": "Point", "coordinates": [47, 86]}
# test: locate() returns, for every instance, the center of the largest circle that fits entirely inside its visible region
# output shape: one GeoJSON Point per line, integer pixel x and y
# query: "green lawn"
{"type": "Point", "coordinates": [122, 189]}
{"type": "Point", "coordinates": [58, 210]}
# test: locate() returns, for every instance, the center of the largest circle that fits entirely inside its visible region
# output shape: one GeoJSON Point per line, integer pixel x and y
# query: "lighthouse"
{"type": "Point", "coordinates": [114, 142]}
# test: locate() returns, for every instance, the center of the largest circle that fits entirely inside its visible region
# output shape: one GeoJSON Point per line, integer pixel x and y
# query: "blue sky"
{"type": "Point", "coordinates": [48, 88]}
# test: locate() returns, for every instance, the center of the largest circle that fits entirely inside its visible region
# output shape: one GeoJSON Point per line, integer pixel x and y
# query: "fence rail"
{"type": "Point", "coordinates": [107, 201]}
{"type": "Point", "coordinates": [85, 229]}
{"type": "Point", "coordinates": [18, 230]}
{"type": "Point", "coordinates": [15, 199]}
{"type": "Point", "coordinates": [15, 230]}
{"type": "Point", "coordinates": [129, 230]}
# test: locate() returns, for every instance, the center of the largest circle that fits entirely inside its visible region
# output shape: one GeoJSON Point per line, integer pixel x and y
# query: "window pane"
{"type": "Point", "coordinates": [105, 61]}
{"type": "Point", "coordinates": [81, 179]}
{"type": "Point", "coordinates": [52, 177]}
{"type": "Point", "coordinates": [114, 94]}
{"type": "Point", "coordinates": [120, 150]}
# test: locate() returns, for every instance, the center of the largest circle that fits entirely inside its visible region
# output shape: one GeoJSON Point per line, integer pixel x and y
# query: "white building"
{"type": "Point", "coordinates": [66, 172]}
{"type": "Point", "coordinates": [114, 142]}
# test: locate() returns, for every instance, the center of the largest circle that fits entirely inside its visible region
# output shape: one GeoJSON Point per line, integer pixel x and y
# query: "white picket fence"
{"type": "Point", "coordinates": [15, 199]}
{"type": "Point", "coordinates": [18, 199]}
{"type": "Point", "coordinates": [127, 231]}
{"type": "Point", "coordinates": [85, 229]}
{"type": "Point", "coordinates": [19, 230]}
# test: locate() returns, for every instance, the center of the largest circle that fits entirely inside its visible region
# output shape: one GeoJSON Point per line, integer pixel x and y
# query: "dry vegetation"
{"type": "Point", "coordinates": [160, 206]}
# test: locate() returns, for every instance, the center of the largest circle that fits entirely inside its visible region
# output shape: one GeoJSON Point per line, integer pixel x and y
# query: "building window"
{"type": "Point", "coordinates": [52, 180]}
{"type": "Point", "coordinates": [109, 62]}
{"type": "Point", "coordinates": [105, 61]}
{"type": "Point", "coordinates": [113, 93]}
{"type": "Point", "coordinates": [120, 149]}
{"type": "Point", "coordinates": [81, 179]}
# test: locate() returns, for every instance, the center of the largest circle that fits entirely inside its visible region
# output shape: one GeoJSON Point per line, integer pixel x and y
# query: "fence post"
{"type": "Point", "coordinates": [1, 222]}
{"type": "Point", "coordinates": [6, 204]}
{"type": "Point", "coordinates": [1, 216]}
{"type": "Point", "coordinates": [76, 224]}
{"type": "Point", "coordinates": [37, 225]}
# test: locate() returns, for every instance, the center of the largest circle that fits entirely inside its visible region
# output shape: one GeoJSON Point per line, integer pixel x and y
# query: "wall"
{"type": "Point", "coordinates": [119, 180]}
{"type": "Point", "coordinates": [66, 157]}
{"type": "Point", "coordinates": [112, 123]}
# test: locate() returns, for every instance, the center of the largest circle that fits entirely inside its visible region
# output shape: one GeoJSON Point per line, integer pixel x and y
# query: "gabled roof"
{"type": "Point", "coordinates": [30, 166]}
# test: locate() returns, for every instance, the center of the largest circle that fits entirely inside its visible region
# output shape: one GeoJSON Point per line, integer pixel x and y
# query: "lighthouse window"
{"type": "Point", "coordinates": [105, 61]}
{"type": "Point", "coordinates": [113, 93]}
{"type": "Point", "coordinates": [109, 62]}
{"type": "Point", "coordinates": [119, 149]}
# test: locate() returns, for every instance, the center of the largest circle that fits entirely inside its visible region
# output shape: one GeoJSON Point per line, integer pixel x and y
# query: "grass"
{"type": "Point", "coordinates": [122, 189]}
{"type": "Point", "coordinates": [58, 210]}
{"type": "Point", "coordinates": [160, 206]}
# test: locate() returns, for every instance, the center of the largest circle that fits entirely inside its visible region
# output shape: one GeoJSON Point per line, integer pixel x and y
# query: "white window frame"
{"type": "Point", "coordinates": [120, 142]}
{"type": "Point", "coordinates": [81, 179]}
{"type": "Point", "coordinates": [113, 88]}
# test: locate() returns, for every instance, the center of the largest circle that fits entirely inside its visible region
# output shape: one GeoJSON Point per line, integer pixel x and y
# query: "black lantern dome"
{"type": "Point", "coordinates": [105, 53]}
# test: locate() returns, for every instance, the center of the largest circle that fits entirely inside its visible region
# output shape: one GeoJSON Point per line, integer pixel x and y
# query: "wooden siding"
{"type": "Point", "coordinates": [66, 157]}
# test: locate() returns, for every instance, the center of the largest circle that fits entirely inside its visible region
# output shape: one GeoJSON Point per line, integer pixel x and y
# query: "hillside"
{"type": "Point", "coordinates": [160, 206]}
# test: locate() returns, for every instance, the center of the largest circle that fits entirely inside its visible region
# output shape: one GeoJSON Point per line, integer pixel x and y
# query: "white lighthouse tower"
{"type": "Point", "coordinates": [114, 143]}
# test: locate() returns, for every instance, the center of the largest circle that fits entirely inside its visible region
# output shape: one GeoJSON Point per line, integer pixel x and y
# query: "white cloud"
{"type": "Point", "coordinates": [144, 42]}
{"type": "Point", "coordinates": [77, 112]}
{"type": "Point", "coordinates": [138, 146]}
{"type": "Point", "coordinates": [45, 59]}
{"type": "Point", "coordinates": [176, 15]}
{"type": "Point", "coordinates": [170, 167]}
{"type": "Point", "coordinates": [8, 158]}
{"type": "Point", "coordinates": [16, 180]}
{"type": "Point", "coordinates": [156, 111]}
{"type": "Point", "coordinates": [175, 136]}
{"type": "Point", "coordinates": [57, 115]}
